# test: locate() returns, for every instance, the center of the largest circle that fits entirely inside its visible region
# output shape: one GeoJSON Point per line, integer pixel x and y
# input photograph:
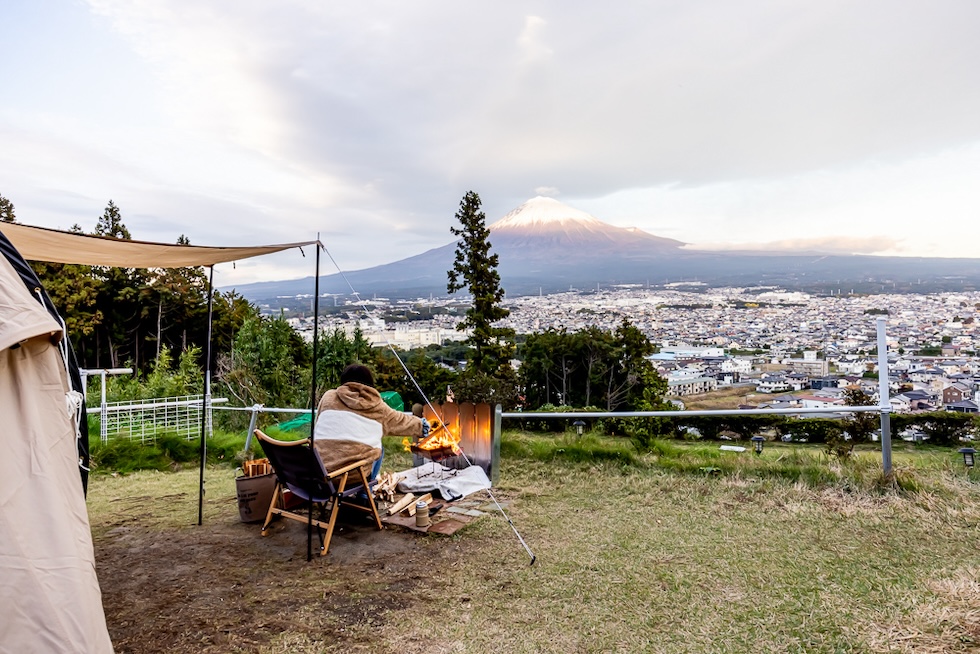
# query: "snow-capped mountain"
{"type": "Point", "coordinates": [545, 245]}
{"type": "Point", "coordinates": [541, 224]}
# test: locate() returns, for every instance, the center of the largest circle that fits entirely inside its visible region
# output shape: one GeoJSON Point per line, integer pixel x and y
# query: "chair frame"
{"type": "Point", "coordinates": [338, 494]}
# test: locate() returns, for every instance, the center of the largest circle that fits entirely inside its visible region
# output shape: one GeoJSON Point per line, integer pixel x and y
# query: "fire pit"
{"type": "Point", "coordinates": [458, 430]}
{"type": "Point", "coordinates": [441, 444]}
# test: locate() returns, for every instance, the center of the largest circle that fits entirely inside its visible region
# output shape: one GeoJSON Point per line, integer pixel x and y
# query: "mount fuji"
{"type": "Point", "coordinates": [547, 246]}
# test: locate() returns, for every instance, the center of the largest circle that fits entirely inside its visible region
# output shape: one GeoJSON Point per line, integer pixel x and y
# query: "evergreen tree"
{"type": "Point", "coordinates": [591, 367]}
{"type": "Point", "coordinates": [7, 211]}
{"type": "Point", "coordinates": [231, 311]}
{"type": "Point", "coordinates": [110, 223]}
{"type": "Point", "coordinates": [337, 351]}
{"type": "Point", "coordinates": [475, 269]}
{"type": "Point", "coordinates": [122, 330]}
{"type": "Point", "coordinates": [175, 299]}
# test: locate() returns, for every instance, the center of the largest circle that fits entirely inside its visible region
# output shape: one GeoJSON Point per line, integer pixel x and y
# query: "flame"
{"type": "Point", "coordinates": [441, 436]}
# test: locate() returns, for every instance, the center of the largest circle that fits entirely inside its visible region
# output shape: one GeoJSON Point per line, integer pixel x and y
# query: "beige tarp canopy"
{"type": "Point", "coordinates": [42, 244]}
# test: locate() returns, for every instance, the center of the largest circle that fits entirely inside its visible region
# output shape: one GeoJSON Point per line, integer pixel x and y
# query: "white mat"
{"type": "Point", "coordinates": [451, 484]}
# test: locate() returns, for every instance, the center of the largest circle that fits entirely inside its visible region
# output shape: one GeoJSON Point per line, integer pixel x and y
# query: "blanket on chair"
{"type": "Point", "coordinates": [342, 438]}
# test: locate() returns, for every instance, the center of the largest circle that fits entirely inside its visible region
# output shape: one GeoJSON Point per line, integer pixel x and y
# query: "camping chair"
{"type": "Point", "coordinates": [299, 469]}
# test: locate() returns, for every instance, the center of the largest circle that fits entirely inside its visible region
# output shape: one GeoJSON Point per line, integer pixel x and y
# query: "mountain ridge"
{"type": "Point", "coordinates": [545, 245]}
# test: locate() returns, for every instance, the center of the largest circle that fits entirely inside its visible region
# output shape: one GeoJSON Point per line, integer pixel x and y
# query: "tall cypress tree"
{"type": "Point", "coordinates": [475, 269]}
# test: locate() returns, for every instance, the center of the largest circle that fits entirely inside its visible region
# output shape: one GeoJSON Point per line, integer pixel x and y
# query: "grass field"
{"type": "Point", "coordinates": [677, 550]}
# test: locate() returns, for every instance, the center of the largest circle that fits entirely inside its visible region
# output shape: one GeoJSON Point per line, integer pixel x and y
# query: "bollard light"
{"type": "Point", "coordinates": [758, 442]}
{"type": "Point", "coordinates": [579, 426]}
{"type": "Point", "coordinates": [967, 453]}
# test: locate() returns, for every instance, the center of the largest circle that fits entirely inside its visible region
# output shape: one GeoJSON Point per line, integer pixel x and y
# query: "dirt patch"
{"type": "Point", "coordinates": [222, 587]}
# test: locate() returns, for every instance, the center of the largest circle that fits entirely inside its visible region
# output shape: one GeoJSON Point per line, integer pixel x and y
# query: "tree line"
{"type": "Point", "coordinates": [128, 316]}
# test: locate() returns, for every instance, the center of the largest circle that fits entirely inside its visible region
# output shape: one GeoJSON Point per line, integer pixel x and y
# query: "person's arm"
{"type": "Point", "coordinates": [396, 423]}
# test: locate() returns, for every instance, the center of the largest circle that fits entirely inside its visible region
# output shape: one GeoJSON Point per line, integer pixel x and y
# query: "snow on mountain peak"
{"type": "Point", "coordinates": [542, 211]}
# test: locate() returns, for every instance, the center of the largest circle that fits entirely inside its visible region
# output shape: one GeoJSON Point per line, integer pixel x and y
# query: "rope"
{"type": "Point", "coordinates": [428, 403]}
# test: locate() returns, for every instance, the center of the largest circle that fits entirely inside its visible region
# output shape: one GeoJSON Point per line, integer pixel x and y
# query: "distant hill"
{"type": "Point", "coordinates": [547, 246]}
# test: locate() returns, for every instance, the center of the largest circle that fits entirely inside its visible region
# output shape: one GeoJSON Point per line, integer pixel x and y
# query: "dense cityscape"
{"type": "Point", "coordinates": [778, 341]}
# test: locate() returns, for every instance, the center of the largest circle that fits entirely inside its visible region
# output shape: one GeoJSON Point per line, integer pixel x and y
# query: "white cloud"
{"type": "Point", "coordinates": [749, 122]}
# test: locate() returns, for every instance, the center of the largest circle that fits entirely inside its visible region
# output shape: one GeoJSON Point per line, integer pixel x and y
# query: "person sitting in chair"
{"type": "Point", "coordinates": [352, 418]}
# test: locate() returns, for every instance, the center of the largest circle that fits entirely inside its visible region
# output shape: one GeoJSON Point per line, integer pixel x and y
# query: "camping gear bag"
{"type": "Point", "coordinates": [255, 488]}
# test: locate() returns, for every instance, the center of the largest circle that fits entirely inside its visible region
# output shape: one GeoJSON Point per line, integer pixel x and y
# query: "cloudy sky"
{"type": "Point", "coordinates": [845, 125]}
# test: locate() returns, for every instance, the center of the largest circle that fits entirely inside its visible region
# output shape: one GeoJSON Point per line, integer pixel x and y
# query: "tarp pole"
{"type": "Point", "coordinates": [206, 403]}
{"type": "Point", "coordinates": [316, 335]}
{"type": "Point", "coordinates": [316, 353]}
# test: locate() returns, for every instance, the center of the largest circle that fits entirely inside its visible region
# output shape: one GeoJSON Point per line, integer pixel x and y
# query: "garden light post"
{"type": "Point", "coordinates": [968, 459]}
{"type": "Point", "coordinates": [579, 426]}
{"type": "Point", "coordinates": [758, 442]}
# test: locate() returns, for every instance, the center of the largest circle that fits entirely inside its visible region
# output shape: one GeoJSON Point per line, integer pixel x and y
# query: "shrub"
{"type": "Point", "coordinates": [167, 452]}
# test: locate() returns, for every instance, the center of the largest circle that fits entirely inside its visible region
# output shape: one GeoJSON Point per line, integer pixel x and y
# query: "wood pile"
{"type": "Point", "coordinates": [256, 467]}
{"type": "Point", "coordinates": [407, 504]}
{"type": "Point", "coordinates": [386, 484]}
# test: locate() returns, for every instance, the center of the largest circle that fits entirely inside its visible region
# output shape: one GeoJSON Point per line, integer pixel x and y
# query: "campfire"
{"type": "Point", "coordinates": [461, 435]}
{"type": "Point", "coordinates": [441, 443]}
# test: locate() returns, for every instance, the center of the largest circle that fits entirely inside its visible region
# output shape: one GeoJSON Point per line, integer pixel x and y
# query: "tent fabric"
{"type": "Point", "coordinates": [50, 592]}
{"type": "Point", "coordinates": [42, 244]}
{"type": "Point", "coordinates": [33, 286]}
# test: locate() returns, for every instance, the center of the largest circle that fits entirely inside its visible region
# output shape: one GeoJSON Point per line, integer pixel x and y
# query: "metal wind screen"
{"type": "Point", "coordinates": [473, 424]}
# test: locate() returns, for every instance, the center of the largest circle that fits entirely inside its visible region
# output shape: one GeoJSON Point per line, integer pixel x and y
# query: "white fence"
{"type": "Point", "coordinates": [146, 419]}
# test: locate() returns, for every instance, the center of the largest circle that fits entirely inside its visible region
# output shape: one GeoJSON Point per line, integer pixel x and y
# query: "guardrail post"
{"type": "Point", "coordinates": [495, 444]}
{"type": "Point", "coordinates": [103, 412]}
{"type": "Point", "coordinates": [251, 425]}
{"type": "Point", "coordinates": [883, 400]}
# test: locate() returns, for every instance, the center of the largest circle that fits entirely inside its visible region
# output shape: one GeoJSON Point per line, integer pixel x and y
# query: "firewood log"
{"type": "Point", "coordinates": [401, 504]}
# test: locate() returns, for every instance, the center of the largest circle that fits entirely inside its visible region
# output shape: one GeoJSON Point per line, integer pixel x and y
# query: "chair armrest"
{"type": "Point", "coordinates": [263, 437]}
{"type": "Point", "coordinates": [353, 466]}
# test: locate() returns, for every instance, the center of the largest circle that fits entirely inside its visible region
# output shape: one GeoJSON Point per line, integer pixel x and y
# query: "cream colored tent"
{"type": "Point", "coordinates": [49, 591]}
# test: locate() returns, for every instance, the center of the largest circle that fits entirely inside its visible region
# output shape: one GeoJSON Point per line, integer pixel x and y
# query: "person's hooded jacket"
{"type": "Point", "coordinates": [341, 438]}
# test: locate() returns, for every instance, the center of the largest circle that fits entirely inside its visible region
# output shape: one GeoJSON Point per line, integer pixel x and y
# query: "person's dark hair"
{"type": "Point", "coordinates": [355, 372]}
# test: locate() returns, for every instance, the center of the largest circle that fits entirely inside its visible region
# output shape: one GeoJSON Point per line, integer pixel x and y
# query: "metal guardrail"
{"type": "Point", "coordinates": [255, 410]}
{"type": "Point", "coordinates": [884, 409]}
{"type": "Point", "coordinates": [674, 414]}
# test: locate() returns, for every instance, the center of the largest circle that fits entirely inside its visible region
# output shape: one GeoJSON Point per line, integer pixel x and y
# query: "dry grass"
{"type": "Point", "coordinates": [948, 621]}
{"type": "Point", "coordinates": [629, 560]}
{"type": "Point", "coordinates": [724, 398]}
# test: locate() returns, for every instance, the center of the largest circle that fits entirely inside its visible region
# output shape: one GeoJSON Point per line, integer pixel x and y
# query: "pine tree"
{"type": "Point", "coordinates": [119, 299]}
{"type": "Point", "coordinates": [475, 269]}
{"type": "Point", "coordinates": [7, 211]}
{"type": "Point", "coordinates": [110, 223]}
